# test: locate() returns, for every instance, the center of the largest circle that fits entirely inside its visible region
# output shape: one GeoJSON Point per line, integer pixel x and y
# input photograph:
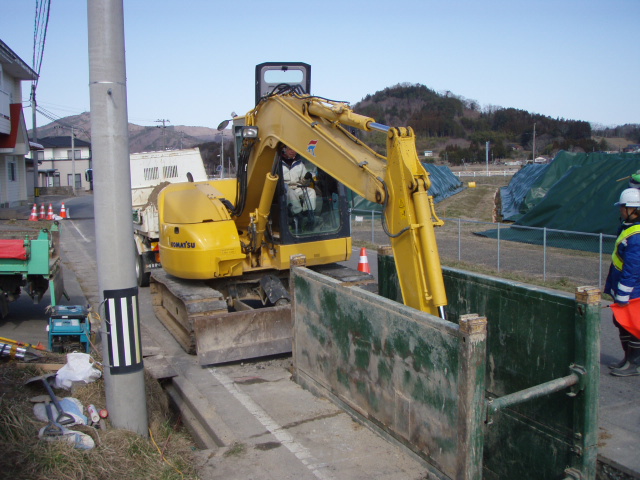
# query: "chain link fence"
{"type": "Point", "coordinates": [509, 172]}
{"type": "Point", "coordinates": [554, 257]}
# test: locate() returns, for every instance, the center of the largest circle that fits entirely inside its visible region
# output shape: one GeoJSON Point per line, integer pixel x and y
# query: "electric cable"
{"type": "Point", "coordinates": [41, 24]}
{"type": "Point", "coordinates": [54, 118]}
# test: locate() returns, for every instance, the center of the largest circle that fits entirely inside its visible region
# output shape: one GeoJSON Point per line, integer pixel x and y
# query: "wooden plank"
{"type": "Point", "coordinates": [46, 367]}
{"type": "Point", "coordinates": [159, 368]}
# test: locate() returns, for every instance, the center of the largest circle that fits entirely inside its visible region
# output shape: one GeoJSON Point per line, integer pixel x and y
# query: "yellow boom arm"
{"type": "Point", "coordinates": [315, 128]}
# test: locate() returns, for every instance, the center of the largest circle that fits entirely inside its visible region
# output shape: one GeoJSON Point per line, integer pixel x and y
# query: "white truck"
{"type": "Point", "coordinates": [150, 173]}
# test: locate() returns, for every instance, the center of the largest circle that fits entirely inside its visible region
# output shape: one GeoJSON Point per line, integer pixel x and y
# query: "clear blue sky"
{"type": "Point", "coordinates": [192, 62]}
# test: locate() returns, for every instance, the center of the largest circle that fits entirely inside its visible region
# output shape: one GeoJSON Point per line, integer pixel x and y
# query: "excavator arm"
{"type": "Point", "coordinates": [316, 128]}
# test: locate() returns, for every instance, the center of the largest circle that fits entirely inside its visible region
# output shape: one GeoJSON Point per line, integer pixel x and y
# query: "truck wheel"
{"type": "Point", "coordinates": [142, 276]}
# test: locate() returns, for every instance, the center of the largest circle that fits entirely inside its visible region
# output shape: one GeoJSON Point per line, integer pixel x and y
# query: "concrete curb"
{"type": "Point", "coordinates": [199, 415]}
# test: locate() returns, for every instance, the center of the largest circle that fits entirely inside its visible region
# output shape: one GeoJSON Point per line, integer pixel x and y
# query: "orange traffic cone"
{"type": "Point", "coordinates": [42, 213]}
{"type": "Point", "coordinates": [34, 214]}
{"type": "Point", "coordinates": [50, 212]}
{"type": "Point", "coordinates": [363, 265]}
{"type": "Point", "coordinates": [63, 212]}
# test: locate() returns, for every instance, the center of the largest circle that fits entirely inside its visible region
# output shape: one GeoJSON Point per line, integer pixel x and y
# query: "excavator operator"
{"type": "Point", "coordinates": [301, 198]}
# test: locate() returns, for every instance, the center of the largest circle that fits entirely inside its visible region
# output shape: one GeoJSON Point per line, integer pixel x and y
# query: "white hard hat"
{"type": "Point", "coordinates": [629, 198]}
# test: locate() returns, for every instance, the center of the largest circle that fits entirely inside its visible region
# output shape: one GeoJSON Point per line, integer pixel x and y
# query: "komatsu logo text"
{"type": "Point", "coordinates": [183, 244]}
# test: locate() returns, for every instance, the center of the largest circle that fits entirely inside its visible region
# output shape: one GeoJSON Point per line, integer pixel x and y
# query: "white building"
{"type": "Point", "coordinates": [57, 165]}
{"type": "Point", "coordinates": [14, 143]}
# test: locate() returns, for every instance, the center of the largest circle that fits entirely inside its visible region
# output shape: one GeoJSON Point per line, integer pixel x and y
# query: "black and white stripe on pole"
{"type": "Point", "coordinates": [123, 330]}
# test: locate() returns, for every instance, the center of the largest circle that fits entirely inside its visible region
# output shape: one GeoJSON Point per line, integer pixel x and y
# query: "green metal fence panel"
{"type": "Point", "coordinates": [534, 336]}
{"type": "Point", "coordinates": [415, 377]}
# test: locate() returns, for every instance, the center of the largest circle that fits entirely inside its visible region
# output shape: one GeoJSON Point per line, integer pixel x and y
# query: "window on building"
{"type": "Point", "coordinates": [78, 180]}
{"type": "Point", "coordinates": [78, 154]}
{"type": "Point", "coordinates": [151, 173]}
{"type": "Point", "coordinates": [39, 155]}
{"type": "Point", "coordinates": [12, 171]}
{"type": "Point", "coordinates": [170, 171]}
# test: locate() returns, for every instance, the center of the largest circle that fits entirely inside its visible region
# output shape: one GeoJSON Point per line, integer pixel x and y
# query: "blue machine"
{"type": "Point", "coordinates": [69, 329]}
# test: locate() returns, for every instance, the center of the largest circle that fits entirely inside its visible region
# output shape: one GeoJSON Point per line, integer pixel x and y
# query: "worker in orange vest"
{"type": "Point", "coordinates": [623, 280]}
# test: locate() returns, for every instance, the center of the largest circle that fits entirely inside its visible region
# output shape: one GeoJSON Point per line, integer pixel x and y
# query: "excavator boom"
{"type": "Point", "coordinates": [315, 128]}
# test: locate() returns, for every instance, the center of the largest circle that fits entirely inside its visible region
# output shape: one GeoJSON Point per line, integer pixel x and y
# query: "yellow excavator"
{"type": "Point", "coordinates": [226, 245]}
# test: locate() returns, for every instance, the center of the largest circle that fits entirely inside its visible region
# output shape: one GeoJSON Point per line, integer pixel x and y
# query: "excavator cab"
{"type": "Point", "coordinates": [313, 211]}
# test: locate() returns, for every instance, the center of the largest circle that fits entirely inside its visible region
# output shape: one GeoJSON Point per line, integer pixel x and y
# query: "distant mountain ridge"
{"type": "Point", "coordinates": [141, 138]}
{"type": "Point", "coordinates": [452, 127]}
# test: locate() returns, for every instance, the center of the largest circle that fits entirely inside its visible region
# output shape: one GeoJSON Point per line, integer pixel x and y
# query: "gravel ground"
{"type": "Point", "coordinates": [558, 268]}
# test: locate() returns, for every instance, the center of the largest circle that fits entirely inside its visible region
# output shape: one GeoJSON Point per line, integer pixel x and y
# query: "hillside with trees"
{"type": "Point", "coordinates": [456, 129]}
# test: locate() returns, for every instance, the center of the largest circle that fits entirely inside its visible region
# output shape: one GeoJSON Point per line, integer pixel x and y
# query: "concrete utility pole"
{"type": "Point", "coordinates": [73, 162]}
{"type": "Point", "coordinates": [534, 143]}
{"type": "Point", "coordinates": [122, 348]}
{"type": "Point", "coordinates": [486, 148]}
{"type": "Point", "coordinates": [34, 155]}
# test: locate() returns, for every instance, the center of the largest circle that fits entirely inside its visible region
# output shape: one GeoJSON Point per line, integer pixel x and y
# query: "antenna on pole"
{"type": "Point", "coordinates": [163, 121]}
{"type": "Point", "coordinates": [533, 153]}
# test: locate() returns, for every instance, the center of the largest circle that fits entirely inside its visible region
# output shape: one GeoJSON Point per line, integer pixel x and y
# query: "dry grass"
{"type": "Point", "coordinates": [118, 453]}
{"type": "Point", "coordinates": [473, 203]}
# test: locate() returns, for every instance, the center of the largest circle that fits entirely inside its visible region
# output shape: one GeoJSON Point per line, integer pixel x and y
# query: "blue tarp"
{"type": "Point", "coordinates": [443, 184]}
{"type": "Point", "coordinates": [513, 195]}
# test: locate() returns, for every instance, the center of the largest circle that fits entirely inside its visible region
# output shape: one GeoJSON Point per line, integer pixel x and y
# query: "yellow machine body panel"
{"type": "Point", "coordinates": [198, 239]}
{"type": "Point", "coordinates": [316, 253]}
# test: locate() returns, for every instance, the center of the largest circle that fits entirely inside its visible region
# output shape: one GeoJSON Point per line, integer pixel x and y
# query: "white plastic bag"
{"type": "Point", "coordinates": [78, 369]}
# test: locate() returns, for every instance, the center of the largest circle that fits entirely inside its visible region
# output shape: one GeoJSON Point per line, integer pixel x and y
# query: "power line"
{"type": "Point", "coordinates": [54, 118]}
{"type": "Point", "coordinates": [41, 24]}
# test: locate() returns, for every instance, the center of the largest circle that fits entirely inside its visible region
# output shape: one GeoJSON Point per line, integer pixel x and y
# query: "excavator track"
{"type": "Point", "coordinates": [197, 315]}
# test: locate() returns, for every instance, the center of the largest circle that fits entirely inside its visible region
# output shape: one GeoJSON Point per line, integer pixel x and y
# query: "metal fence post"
{"type": "Point", "coordinates": [373, 227]}
{"type": "Point", "coordinates": [544, 254]}
{"type": "Point", "coordinates": [459, 241]}
{"type": "Point", "coordinates": [498, 246]}
{"type": "Point", "coordinates": [600, 264]}
{"type": "Point", "coordinates": [587, 345]}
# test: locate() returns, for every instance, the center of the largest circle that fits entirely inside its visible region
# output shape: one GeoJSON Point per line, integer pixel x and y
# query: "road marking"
{"type": "Point", "coordinates": [78, 230]}
{"type": "Point", "coordinates": [301, 452]}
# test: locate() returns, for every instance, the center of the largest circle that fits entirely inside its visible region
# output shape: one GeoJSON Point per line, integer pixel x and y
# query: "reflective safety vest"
{"type": "Point", "coordinates": [615, 257]}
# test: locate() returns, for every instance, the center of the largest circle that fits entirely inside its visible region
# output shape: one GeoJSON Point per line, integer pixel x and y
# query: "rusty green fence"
{"type": "Point", "coordinates": [542, 372]}
{"type": "Point", "coordinates": [415, 377]}
{"type": "Point", "coordinates": [517, 400]}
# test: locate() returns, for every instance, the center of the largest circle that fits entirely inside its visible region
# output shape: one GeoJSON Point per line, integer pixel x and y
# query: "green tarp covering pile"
{"type": "Point", "coordinates": [443, 184]}
{"type": "Point", "coordinates": [576, 192]}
